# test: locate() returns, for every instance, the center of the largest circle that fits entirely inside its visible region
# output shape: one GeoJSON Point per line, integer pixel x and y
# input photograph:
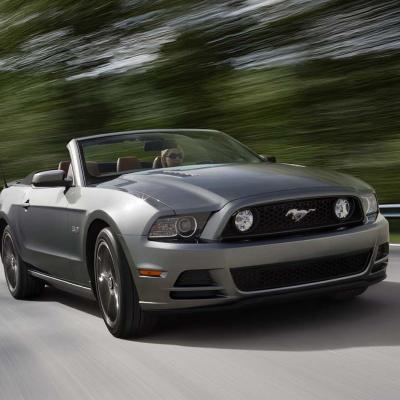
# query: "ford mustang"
{"type": "Point", "coordinates": [157, 220]}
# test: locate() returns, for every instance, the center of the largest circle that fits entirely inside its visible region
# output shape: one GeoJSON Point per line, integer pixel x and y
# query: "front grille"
{"type": "Point", "coordinates": [250, 279]}
{"type": "Point", "coordinates": [278, 218]}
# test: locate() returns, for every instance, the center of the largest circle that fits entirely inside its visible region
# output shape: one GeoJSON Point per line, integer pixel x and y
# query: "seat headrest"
{"type": "Point", "coordinates": [128, 164]}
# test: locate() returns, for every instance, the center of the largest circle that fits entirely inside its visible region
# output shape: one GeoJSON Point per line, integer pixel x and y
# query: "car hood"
{"type": "Point", "coordinates": [213, 186]}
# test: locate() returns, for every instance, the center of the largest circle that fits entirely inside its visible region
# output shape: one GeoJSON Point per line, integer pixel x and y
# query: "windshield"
{"type": "Point", "coordinates": [107, 157]}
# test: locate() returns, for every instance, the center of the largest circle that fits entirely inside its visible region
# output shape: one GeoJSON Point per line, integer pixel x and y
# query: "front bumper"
{"type": "Point", "coordinates": [220, 258]}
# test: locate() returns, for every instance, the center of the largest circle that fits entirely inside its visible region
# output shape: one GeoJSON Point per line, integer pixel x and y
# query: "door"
{"type": "Point", "coordinates": [44, 227]}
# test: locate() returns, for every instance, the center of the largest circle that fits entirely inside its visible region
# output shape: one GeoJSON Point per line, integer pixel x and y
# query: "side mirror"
{"type": "Point", "coordinates": [271, 159]}
{"type": "Point", "coordinates": [55, 178]}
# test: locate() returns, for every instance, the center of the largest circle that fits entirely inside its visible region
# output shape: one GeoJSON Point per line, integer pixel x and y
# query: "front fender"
{"type": "Point", "coordinates": [124, 213]}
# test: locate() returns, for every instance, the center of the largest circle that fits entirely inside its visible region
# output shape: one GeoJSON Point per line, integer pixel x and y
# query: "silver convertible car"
{"type": "Point", "coordinates": [158, 220]}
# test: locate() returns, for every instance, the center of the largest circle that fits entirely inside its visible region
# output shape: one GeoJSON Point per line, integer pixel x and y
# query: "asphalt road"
{"type": "Point", "coordinates": [58, 348]}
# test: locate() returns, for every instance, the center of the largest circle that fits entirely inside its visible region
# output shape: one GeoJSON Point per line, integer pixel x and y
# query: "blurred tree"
{"type": "Point", "coordinates": [74, 38]}
{"type": "Point", "coordinates": [313, 81]}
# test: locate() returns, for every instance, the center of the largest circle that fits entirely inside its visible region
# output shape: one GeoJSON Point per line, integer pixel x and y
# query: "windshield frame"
{"type": "Point", "coordinates": [90, 180]}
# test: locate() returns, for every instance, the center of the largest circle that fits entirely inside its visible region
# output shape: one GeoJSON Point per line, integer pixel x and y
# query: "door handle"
{"type": "Point", "coordinates": [26, 205]}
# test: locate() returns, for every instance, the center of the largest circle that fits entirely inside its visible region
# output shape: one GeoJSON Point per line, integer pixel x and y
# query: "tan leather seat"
{"type": "Point", "coordinates": [128, 164]}
{"type": "Point", "coordinates": [64, 166]}
{"type": "Point", "coordinates": [93, 168]}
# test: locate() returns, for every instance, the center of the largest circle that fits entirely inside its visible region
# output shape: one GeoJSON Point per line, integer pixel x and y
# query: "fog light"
{"type": "Point", "coordinates": [342, 208]}
{"type": "Point", "coordinates": [244, 220]}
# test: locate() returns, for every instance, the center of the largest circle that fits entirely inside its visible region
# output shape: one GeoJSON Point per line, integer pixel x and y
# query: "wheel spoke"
{"type": "Point", "coordinates": [111, 306]}
{"type": "Point", "coordinates": [103, 289]}
{"type": "Point", "coordinates": [7, 251]}
{"type": "Point", "coordinates": [106, 283]}
{"type": "Point", "coordinates": [10, 261]}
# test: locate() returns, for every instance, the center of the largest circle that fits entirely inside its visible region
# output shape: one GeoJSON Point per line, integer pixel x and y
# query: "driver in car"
{"type": "Point", "coordinates": [172, 157]}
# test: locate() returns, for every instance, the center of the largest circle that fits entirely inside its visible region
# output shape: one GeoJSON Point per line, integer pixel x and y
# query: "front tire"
{"type": "Point", "coordinates": [116, 292]}
{"type": "Point", "coordinates": [20, 283]}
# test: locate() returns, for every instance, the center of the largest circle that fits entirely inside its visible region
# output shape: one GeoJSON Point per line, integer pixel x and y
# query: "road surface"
{"type": "Point", "coordinates": [59, 348]}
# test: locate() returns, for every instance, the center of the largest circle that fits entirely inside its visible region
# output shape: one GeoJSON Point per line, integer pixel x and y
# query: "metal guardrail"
{"type": "Point", "coordinates": [390, 210]}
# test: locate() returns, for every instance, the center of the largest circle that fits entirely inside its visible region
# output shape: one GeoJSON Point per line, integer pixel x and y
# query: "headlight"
{"type": "Point", "coordinates": [370, 204]}
{"type": "Point", "coordinates": [164, 228]}
{"type": "Point", "coordinates": [184, 227]}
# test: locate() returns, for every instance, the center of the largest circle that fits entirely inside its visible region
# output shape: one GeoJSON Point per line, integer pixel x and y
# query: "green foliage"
{"type": "Point", "coordinates": [394, 231]}
{"type": "Point", "coordinates": [317, 110]}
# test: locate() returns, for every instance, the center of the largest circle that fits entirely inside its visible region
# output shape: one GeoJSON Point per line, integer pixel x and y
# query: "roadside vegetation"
{"type": "Point", "coordinates": [395, 231]}
{"type": "Point", "coordinates": [280, 78]}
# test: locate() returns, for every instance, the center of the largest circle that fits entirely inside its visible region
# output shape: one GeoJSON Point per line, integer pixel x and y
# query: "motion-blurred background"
{"type": "Point", "coordinates": [313, 82]}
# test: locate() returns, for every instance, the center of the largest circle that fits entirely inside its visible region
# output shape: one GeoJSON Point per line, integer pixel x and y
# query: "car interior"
{"type": "Point", "coordinates": [152, 155]}
{"type": "Point", "coordinates": [123, 164]}
{"type": "Point", "coordinates": [151, 158]}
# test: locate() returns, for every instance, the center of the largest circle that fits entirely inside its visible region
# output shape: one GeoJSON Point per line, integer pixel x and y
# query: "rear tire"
{"type": "Point", "coordinates": [347, 295]}
{"type": "Point", "coordinates": [20, 283]}
{"type": "Point", "coordinates": [116, 292]}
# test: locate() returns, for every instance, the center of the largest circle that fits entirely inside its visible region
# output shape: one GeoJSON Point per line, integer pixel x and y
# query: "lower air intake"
{"type": "Point", "coordinates": [265, 277]}
{"type": "Point", "coordinates": [194, 278]}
